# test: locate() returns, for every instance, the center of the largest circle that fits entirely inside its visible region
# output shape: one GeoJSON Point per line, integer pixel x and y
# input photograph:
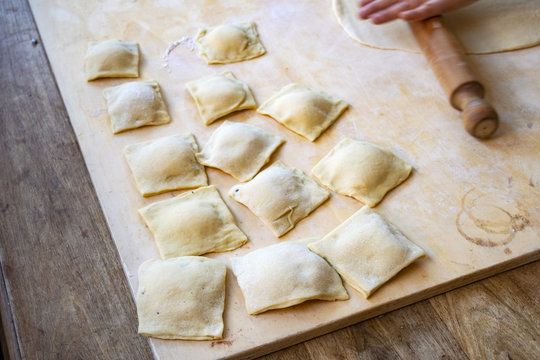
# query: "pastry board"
{"type": "Point", "coordinates": [473, 206]}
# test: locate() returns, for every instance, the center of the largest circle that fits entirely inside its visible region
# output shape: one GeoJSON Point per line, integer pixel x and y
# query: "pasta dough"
{"type": "Point", "coordinates": [181, 298]}
{"type": "Point", "coordinates": [239, 149]}
{"type": "Point", "coordinates": [304, 111]}
{"type": "Point", "coordinates": [193, 223]}
{"type": "Point", "coordinates": [219, 95]}
{"type": "Point", "coordinates": [166, 164]}
{"type": "Point", "coordinates": [284, 275]}
{"type": "Point", "coordinates": [366, 250]}
{"type": "Point", "coordinates": [280, 196]}
{"type": "Point", "coordinates": [486, 26]}
{"type": "Point", "coordinates": [135, 104]}
{"type": "Point", "coordinates": [362, 170]}
{"type": "Point", "coordinates": [112, 58]}
{"type": "Point", "coordinates": [229, 43]}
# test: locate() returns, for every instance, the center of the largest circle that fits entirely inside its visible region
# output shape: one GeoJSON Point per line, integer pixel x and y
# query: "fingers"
{"type": "Point", "coordinates": [390, 13]}
{"type": "Point", "coordinates": [373, 6]}
{"type": "Point", "coordinates": [431, 8]}
{"type": "Point", "coordinates": [364, 2]}
{"type": "Point", "coordinates": [424, 11]}
{"type": "Point", "coordinates": [382, 11]}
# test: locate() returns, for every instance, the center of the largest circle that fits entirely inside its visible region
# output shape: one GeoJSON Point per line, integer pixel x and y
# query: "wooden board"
{"type": "Point", "coordinates": [395, 101]}
{"type": "Point", "coordinates": [63, 293]}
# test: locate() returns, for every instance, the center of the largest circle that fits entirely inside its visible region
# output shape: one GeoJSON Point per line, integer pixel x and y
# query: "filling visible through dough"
{"type": "Point", "coordinates": [303, 110]}
{"type": "Point", "coordinates": [280, 196]}
{"type": "Point", "coordinates": [112, 58]}
{"type": "Point", "coordinates": [229, 43]}
{"type": "Point", "coordinates": [362, 170]}
{"type": "Point", "coordinates": [165, 164]}
{"type": "Point", "coordinates": [219, 95]}
{"type": "Point", "coordinates": [135, 104]}
{"type": "Point", "coordinates": [366, 250]}
{"type": "Point", "coordinates": [193, 223]}
{"type": "Point", "coordinates": [284, 275]}
{"type": "Point", "coordinates": [239, 149]}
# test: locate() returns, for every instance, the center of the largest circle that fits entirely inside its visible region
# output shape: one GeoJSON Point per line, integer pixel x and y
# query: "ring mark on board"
{"type": "Point", "coordinates": [489, 220]}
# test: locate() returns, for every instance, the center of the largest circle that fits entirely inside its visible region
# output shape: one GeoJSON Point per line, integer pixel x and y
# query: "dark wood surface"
{"type": "Point", "coordinates": [63, 293]}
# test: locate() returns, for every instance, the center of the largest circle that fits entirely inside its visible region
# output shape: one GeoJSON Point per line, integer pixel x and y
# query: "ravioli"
{"type": "Point", "coordinates": [229, 43]}
{"type": "Point", "coordinates": [193, 223]}
{"type": "Point", "coordinates": [166, 164]}
{"type": "Point", "coordinates": [305, 111]}
{"type": "Point", "coordinates": [280, 196]}
{"type": "Point", "coordinates": [182, 298]}
{"type": "Point", "coordinates": [112, 58]}
{"type": "Point", "coordinates": [283, 275]}
{"type": "Point", "coordinates": [240, 150]}
{"type": "Point", "coordinates": [219, 95]}
{"type": "Point", "coordinates": [135, 104]}
{"type": "Point", "coordinates": [366, 250]}
{"type": "Point", "coordinates": [362, 170]}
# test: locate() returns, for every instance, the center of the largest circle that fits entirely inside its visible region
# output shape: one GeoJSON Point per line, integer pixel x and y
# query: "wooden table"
{"type": "Point", "coordinates": [63, 291]}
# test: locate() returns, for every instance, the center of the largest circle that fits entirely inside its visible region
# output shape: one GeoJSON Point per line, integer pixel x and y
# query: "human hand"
{"type": "Point", "coordinates": [382, 11]}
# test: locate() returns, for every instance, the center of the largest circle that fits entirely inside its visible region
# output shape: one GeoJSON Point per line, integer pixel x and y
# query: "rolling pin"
{"type": "Point", "coordinates": [447, 59]}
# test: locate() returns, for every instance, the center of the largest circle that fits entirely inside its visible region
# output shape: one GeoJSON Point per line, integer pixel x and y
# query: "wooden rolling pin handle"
{"type": "Point", "coordinates": [447, 59]}
{"type": "Point", "coordinates": [478, 116]}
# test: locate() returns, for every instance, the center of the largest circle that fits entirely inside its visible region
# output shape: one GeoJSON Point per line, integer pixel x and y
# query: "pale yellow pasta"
{"type": "Point", "coordinates": [280, 196]}
{"type": "Point", "coordinates": [219, 95]}
{"type": "Point", "coordinates": [193, 223]}
{"type": "Point", "coordinates": [366, 250]}
{"type": "Point", "coordinates": [135, 104]}
{"type": "Point", "coordinates": [283, 275]}
{"type": "Point", "coordinates": [229, 43]}
{"type": "Point", "coordinates": [305, 111]}
{"type": "Point", "coordinates": [239, 149]}
{"type": "Point", "coordinates": [181, 298]}
{"type": "Point", "coordinates": [362, 170]}
{"type": "Point", "coordinates": [112, 58]}
{"type": "Point", "coordinates": [165, 164]}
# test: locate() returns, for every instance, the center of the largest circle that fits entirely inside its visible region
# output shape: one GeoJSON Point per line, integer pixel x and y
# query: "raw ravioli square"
{"type": "Point", "coordinates": [135, 104]}
{"type": "Point", "coordinates": [366, 250]}
{"type": "Point", "coordinates": [181, 298]}
{"type": "Point", "coordinates": [229, 43]}
{"type": "Point", "coordinates": [193, 223]}
{"type": "Point", "coordinates": [112, 58]}
{"type": "Point", "coordinates": [280, 196]}
{"type": "Point", "coordinates": [283, 275]}
{"type": "Point", "coordinates": [305, 111]}
{"type": "Point", "coordinates": [165, 164]}
{"type": "Point", "coordinates": [239, 149]}
{"type": "Point", "coordinates": [219, 95]}
{"type": "Point", "coordinates": [362, 170]}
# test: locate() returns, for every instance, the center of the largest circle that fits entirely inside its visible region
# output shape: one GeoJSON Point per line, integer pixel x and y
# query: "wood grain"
{"type": "Point", "coordinates": [447, 59]}
{"type": "Point", "coordinates": [67, 295]}
{"type": "Point", "coordinates": [458, 205]}
{"type": "Point", "coordinates": [63, 293]}
{"type": "Point", "coordinates": [405, 334]}
{"type": "Point", "coordinates": [497, 318]}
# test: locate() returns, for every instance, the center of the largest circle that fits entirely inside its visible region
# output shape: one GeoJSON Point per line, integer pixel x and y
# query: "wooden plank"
{"type": "Point", "coordinates": [397, 335]}
{"type": "Point", "coordinates": [505, 310]}
{"type": "Point", "coordinates": [360, 345]}
{"type": "Point", "coordinates": [64, 294]}
{"type": "Point", "coordinates": [8, 334]}
{"type": "Point", "coordinates": [445, 326]}
{"type": "Point", "coordinates": [453, 172]}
